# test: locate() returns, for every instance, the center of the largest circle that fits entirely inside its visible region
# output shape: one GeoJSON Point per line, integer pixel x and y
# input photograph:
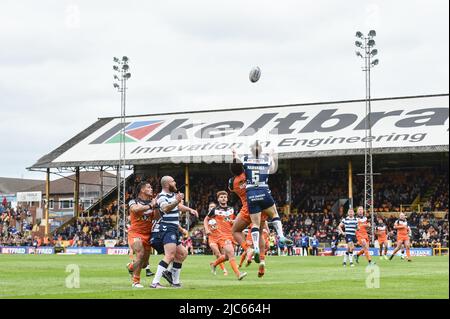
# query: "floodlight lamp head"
{"type": "Point", "coordinates": [127, 75]}
{"type": "Point", "coordinates": [125, 59]}
{"type": "Point", "coordinates": [115, 85]}
{"type": "Point", "coordinates": [358, 54]}
{"type": "Point", "coordinates": [115, 68]}
{"type": "Point", "coordinates": [116, 77]}
{"type": "Point", "coordinates": [115, 59]}
{"type": "Point", "coordinates": [371, 43]}
{"type": "Point", "coordinates": [375, 62]}
{"type": "Point", "coordinates": [125, 67]}
{"type": "Point", "coordinates": [374, 52]}
{"type": "Point", "coordinates": [359, 34]}
{"type": "Point", "coordinates": [358, 44]}
{"type": "Point", "coordinates": [372, 33]}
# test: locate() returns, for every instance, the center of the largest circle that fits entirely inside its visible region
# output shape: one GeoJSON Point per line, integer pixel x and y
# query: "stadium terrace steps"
{"type": "Point", "coordinates": [106, 200]}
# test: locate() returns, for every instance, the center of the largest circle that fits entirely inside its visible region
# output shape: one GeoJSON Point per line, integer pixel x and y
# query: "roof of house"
{"type": "Point", "coordinates": [13, 185]}
{"type": "Point", "coordinates": [89, 180]}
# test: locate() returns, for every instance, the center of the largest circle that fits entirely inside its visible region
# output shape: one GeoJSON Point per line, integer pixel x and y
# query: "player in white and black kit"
{"type": "Point", "coordinates": [350, 223]}
{"type": "Point", "coordinates": [166, 232]}
{"type": "Point", "coordinates": [258, 167]}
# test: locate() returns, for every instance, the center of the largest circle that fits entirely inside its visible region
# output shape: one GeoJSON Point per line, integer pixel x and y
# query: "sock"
{"type": "Point", "coordinates": [235, 267]}
{"type": "Point", "coordinates": [161, 268]}
{"type": "Point", "coordinates": [262, 258]}
{"type": "Point", "coordinates": [148, 267]}
{"type": "Point", "coordinates": [350, 256]}
{"type": "Point", "coordinates": [244, 245]}
{"type": "Point", "coordinates": [255, 237]}
{"type": "Point", "coordinates": [244, 254]}
{"type": "Point", "coordinates": [368, 255]}
{"type": "Point", "coordinates": [276, 222]}
{"type": "Point", "coordinates": [136, 279]}
{"type": "Point", "coordinates": [222, 266]}
{"type": "Point", "coordinates": [176, 269]}
{"type": "Point", "coordinates": [408, 253]}
{"type": "Point", "coordinates": [345, 257]}
{"type": "Point", "coordinates": [220, 260]}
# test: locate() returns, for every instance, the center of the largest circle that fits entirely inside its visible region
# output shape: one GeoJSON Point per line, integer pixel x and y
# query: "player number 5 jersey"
{"type": "Point", "coordinates": [257, 170]}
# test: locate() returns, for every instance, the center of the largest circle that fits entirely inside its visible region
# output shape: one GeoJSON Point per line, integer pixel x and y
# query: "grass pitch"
{"type": "Point", "coordinates": [102, 276]}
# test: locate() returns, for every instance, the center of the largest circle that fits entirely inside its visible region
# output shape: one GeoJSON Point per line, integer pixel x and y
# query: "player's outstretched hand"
{"type": "Point", "coordinates": [194, 212]}
{"type": "Point", "coordinates": [179, 197]}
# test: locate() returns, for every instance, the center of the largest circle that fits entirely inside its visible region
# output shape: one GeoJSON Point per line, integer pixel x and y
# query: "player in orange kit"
{"type": "Point", "coordinates": [237, 185]}
{"type": "Point", "coordinates": [401, 225]}
{"type": "Point", "coordinates": [141, 215]}
{"type": "Point", "coordinates": [211, 231]}
{"type": "Point", "coordinates": [224, 216]}
{"type": "Point", "coordinates": [362, 236]}
{"type": "Point", "coordinates": [249, 242]}
{"type": "Point", "coordinates": [382, 238]}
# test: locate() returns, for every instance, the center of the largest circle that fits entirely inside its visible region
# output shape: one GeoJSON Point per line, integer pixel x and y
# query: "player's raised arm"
{"type": "Point", "coordinates": [166, 207]}
{"type": "Point", "coordinates": [273, 163]}
{"type": "Point", "coordinates": [139, 209]}
{"type": "Point", "coordinates": [185, 209]}
{"type": "Point", "coordinates": [206, 221]}
{"type": "Point", "coordinates": [397, 225]}
{"type": "Point", "coordinates": [236, 158]}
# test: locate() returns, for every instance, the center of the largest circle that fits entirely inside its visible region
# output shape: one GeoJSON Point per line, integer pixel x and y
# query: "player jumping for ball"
{"type": "Point", "coordinates": [258, 167]}
{"type": "Point", "coordinates": [237, 185]}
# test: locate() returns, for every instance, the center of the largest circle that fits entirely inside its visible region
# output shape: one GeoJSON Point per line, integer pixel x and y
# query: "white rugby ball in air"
{"type": "Point", "coordinates": [255, 74]}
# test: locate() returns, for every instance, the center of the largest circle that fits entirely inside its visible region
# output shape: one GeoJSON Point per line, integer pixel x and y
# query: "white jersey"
{"type": "Point", "coordinates": [172, 217]}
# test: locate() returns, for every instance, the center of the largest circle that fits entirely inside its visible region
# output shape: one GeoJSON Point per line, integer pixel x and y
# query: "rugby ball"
{"type": "Point", "coordinates": [255, 74]}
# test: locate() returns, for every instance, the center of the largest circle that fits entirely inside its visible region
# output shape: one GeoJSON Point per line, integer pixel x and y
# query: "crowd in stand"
{"type": "Point", "coordinates": [16, 226]}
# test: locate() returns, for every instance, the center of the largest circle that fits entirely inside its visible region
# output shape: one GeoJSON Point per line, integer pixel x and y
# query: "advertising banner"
{"type": "Point", "coordinates": [291, 130]}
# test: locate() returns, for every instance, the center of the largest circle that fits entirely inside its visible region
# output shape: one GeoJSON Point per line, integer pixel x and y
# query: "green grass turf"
{"type": "Point", "coordinates": [101, 276]}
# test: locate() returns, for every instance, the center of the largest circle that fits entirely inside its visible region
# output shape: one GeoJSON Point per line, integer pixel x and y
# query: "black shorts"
{"type": "Point", "coordinates": [350, 239]}
{"type": "Point", "coordinates": [166, 236]}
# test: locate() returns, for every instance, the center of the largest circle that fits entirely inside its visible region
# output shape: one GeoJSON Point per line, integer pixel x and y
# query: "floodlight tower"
{"type": "Point", "coordinates": [366, 44]}
{"type": "Point", "coordinates": [121, 75]}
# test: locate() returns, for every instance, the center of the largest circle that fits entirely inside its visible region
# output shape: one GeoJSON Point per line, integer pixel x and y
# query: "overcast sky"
{"type": "Point", "coordinates": [56, 59]}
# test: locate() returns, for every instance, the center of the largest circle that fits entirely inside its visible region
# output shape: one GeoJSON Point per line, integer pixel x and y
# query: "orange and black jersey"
{"type": "Point", "coordinates": [224, 217]}
{"type": "Point", "coordinates": [237, 185]}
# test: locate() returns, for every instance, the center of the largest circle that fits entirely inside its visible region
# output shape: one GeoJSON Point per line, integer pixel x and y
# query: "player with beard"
{"type": "Point", "coordinates": [166, 233]}
{"type": "Point", "coordinates": [224, 217]}
{"type": "Point", "coordinates": [213, 234]}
